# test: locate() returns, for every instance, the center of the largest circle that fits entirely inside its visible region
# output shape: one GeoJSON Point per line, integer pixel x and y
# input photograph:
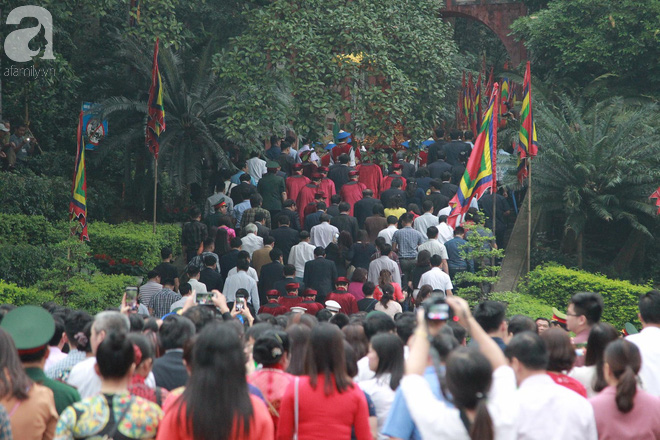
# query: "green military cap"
{"type": "Point", "coordinates": [630, 329]}
{"type": "Point", "coordinates": [272, 164]}
{"type": "Point", "coordinates": [30, 327]}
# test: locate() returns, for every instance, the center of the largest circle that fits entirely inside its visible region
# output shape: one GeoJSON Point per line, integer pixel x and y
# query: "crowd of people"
{"type": "Point", "coordinates": [320, 304]}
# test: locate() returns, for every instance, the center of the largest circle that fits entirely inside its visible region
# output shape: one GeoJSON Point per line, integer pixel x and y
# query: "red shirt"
{"type": "Point", "coordinates": [398, 293]}
{"type": "Point", "coordinates": [371, 175]}
{"type": "Point", "coordinates": [345, 300]}
{"type": "Point", "coordinates": [324, 417]}
{"type": "Point", "coordinates": [294, 184]}
{"type": "Point", "coordinates": [312, 307]}
{"type": "Point", "coordinates": [328, 187]}
{"type": "Point", "coordinates": [274, 309]}
{"type": "Point", "coordinates": [568, 382]}
{"type": "Point", "coordinates": [173, 425]}
{"type": "Point", "coordinates": [272, 382]}
{"type": "Point", "coordinates": [351, 193]}
{"type": "Point", "coordinates": [305, 196]}
{"type": "Point", "coordinates": [289, 301]}
{"type": "Point", "coordinates": [387, 182]}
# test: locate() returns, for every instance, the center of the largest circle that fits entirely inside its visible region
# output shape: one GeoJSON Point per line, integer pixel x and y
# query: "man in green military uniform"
{"type": "Point", "coordinates": [273, 190]}
{"type": "Point", "coordinates": [32, 328]}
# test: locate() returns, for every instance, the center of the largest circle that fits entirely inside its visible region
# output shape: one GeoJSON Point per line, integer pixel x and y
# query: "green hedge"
{"type": "Point", "coordinates": [24, 264]}
{"type": "Point", "coordinates": [95, 294]}
{"type": "Point", "coordinates": [131, 248]}
{"type": "Point", "coordinates": [522, 304]}
{"type": "Point", "coordinates": [10, 293]}
{"type": "Point", "coordinates": [30, 229]}
{"type": "Point", "coordinates": [556, 284]}
{"type": "Point", "coordinates": [26, 193]}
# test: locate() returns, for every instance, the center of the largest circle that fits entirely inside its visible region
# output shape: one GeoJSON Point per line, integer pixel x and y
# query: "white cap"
{"type": "Point", "coordinates": [333, 306]}
{"type": "Point", "coordinates": [3, 128]}
{"type": "Point", "coordinates": [297, 309]}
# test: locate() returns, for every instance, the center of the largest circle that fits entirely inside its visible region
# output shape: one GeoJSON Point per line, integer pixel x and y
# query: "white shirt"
{"type": "Point", "coordinates": [299, 255]}
{"type": "Point", "coordinates": [388, 233]}
{"type": "Point", "coordinates": [364, 372]}
{"type": "Point", "coordinates": [85, 379]}
{"type": "Point", "coordinates": [434, 247]}
{"type": "Point", "coordinates": [424, 221]}
{"type": "Point", "coordinates": [438, 422]}
{"type": "Point", "coordinates": [382, 396]}
{"type": "Point", "coordinates": [380, 263]}
{"type": "Point", "coordinates": [648, 342]}
{"type": "Point", "coordinates": [553, 412]}
{"type": "Point", "coordinates": [252, 242]}
{"type": "Point", "coordinates": [242, 280]}
{"type": "Point", "coordinates": [323, 234]}
{"type": "Point", "coordinates": [256, 168]}
{"type": "Point", "coordinates": [197, 286]}
{"type": "Point", "coordinates": [252, 273]}
{"type": "Point", "coordinates": [436, 278]}
{"type": "Point", "coordinates": [445, 232]}
{"type": "Point", "coordinates": [586, 376]}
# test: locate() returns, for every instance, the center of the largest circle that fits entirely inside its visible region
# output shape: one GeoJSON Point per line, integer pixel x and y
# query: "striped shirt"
{"type": "Point", "coordinates": [407, 240]}
{"type": "Point", "coordinates": [162, 301]}
{"type": "Point", "coordinates": [60, 371]}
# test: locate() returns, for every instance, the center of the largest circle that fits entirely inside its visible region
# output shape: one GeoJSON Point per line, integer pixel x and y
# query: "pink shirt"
{"type": "Point", "coordinates": [641, 423]}
{"type": "Point", "coordinates": [355, 289]}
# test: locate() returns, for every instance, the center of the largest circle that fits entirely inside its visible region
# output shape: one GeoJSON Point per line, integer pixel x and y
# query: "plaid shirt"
{"type": "Point", "coordinates": [407, 240]}
{"type": "Point", "coordinates": [193, 233]}
{"type": "Point", "coordinates": [248, 216]}
{"type": "Point", "coordinates": [60, 371]}
{"type": "Point", "coordinates": [160, 303]}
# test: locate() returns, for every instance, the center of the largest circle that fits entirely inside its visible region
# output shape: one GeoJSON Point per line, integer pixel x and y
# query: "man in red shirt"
{"type": "Point", "coordinates": [326, 185]}
{"type": "Point", "coordinates": [371, 175]}
{"type": "Point", "coordinates": [351, 192]}
{"type": "Point", "coordinates": [296, 182]}
{"type": "Point", "coordinates": [396, 174]}
{"type": "Point", "coordinates": [272, 306]}
{"type": "Point", "coordinates": [340, 294]}
{"type": "Point", "coordinates": [309, 302]}
{"type": "Point", "coordinates": [306, 195]}
{"type": "Point", "coordinates": [291, 299]}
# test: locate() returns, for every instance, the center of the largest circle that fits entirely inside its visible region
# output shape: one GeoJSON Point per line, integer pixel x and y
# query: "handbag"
{"type": "Point", "coordinates": [295, 410]}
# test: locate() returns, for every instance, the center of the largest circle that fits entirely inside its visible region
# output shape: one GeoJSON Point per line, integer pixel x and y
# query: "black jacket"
{"type": "Point", "coordinates": [285, 239]}
{"type": "Point", "coordinates": [345, 222]}
{"type": "Point", "coordinates": [338, 173]}
{"type": "Point", "coordinates": [437, 168]}
{"type": "Point", "coordinates": [294, 218]}
{"type": "Point", "coordinates": [364, 208]}
{"type": "Point", "coordinates": [169, 370]}
{"type": "Point", "coordinates": [439, 201]}
{"type": "Point", "coordinates": [270, 274]}
{"type": "Point", "coordinates": [281, 286]}
{"type": "Point", "coordinates": [212, 279]}
{"type": "Point", "coordinates": [388, 194]}
{"type": "Point", "coordinates": [320, 275]}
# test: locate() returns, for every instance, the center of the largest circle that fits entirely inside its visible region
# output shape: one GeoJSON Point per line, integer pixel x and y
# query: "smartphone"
{"type": "Point", "coordinates": [131, 297]}
{"type": "Point", "coordinates": [239, 304]}
{"type": "Point", "coordinates": [204, 298]}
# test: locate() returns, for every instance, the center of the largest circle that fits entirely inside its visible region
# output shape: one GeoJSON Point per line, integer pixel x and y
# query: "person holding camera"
{"type": "Point", "coordinates": [481, 384]}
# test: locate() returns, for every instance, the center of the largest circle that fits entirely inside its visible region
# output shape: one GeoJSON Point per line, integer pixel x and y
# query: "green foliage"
{"type": "Point", "coordinates": [96, 293]}
{"type": "Point", "coordinates": [556, 284]}
{"type": "Point", "coordinates": [393, 57]}
{"type": "Point", "coordinates": [23, 264]}
{"type": "Point", "coordinates": [584, 39]}
{"type": "Point", "coordinates": [29, 229]}
{"type": "Point", "coordinates": [29, 194]}
{"type": "Point", "coordinates": [19, 296]}
{"type": "Point", "coordinates": [522, 304]}
{"type": "Point", "coordinates": [119, 245]}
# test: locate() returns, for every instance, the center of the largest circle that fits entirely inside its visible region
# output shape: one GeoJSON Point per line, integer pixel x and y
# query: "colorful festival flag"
{"type": "Point", "coordinates": [476, 117]}
{"type": "Point", "coordinates": [480, 171]}
{"type": "Point", "coordinates": [466, 103]}
{"type": "Point", "coordinates": [527, 136]}
{"type": "Point", "coordinates": [656, 196]}
{"type": "Point", "coordinates": [504, 96]}
{"type": "Point", "coordinates": [78, 203]}
{"type": "Point", "coordinates": [156, 118]}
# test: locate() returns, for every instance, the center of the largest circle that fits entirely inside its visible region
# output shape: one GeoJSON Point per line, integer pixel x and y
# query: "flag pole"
{"type": "Point", "coordinates": [155, 188]}
{"type": "Point", "coordinates": [529, 214]}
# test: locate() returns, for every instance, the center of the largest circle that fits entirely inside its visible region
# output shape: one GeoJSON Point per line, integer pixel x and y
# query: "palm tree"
{"type": "Point", "coordinates": [598, 161]}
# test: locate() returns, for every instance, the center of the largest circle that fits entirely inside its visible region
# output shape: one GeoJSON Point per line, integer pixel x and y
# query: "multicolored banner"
{"type": "Point", "coordinates": [78, 203]}
{"type": "Point", "coordinates": [94, 127]}
{"type": "Point", "coordinates": [156, 110]}
{"type": "Point", "coordinates": [527, 136]}
{"type": "Point", "coordinates": [480, 171]}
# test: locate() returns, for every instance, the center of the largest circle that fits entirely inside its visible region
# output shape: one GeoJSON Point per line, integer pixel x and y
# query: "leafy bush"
{"type": "Point", "coordinates": [130, 248]}
{"type": "Point", "coordinates": [522, 304]}
{"type": "Point", "coordinates": [556, 284]}
{"type": "Point", "coordinates": [10, 293]}
{"type": "Point", "coordinates": [26, 193]}
{"type": "Point", "coordinates": [96, 293]}
{"type": "Point", "coordinates": [24, 264]}
{"type": "Point", "coordinates": [30, 229]}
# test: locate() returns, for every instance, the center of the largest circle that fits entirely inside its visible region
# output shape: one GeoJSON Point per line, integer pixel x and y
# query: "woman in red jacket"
{"type": "Point", "coordinates": [328, 404]}
{"type": "Point", "coordinates": [216, 403]}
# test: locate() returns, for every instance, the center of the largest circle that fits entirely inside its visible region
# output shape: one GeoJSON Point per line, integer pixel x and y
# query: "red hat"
{"type": "Point", "coordinates": [397, 166]}
{"type": "Point", "coordinates": [353, 173]}
{"type": "Point", "coordinates": [220, 204]}
{"type": "Point", "coordinates": [341, 280]}
{"type": "Point", "coordinates": [316, 176]}
{"type": "Point", "coordinates": [323, 169]}
{"type": "Point", "coordinates": [273, 292]}
{"type": "Point", "coordinates": [292, 286]}
{"type": "Point", "coordinates": [309, 292]}
{"type": "Point", "coordinates": [319, 194]}
{"type": "Point", "coordinates": [298, 166]}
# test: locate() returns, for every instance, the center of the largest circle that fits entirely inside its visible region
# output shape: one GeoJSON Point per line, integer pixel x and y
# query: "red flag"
{"type": "Point", "coordinates": [656, 196]}
{"type": "Point", "coordinates": [156, 110]}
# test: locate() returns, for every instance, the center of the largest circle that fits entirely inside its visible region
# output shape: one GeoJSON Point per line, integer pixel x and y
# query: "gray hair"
{"type": "Point", "coordinates": [110, 321]}
{"type": "Point", "coordinates": [251, 228]}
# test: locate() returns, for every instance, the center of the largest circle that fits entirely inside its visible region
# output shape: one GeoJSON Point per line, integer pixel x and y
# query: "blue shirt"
{"type": "Point", "coordinates": [235, 179]}
{"type": "Point", "coordinates": [455, 249]}
{"type": "Point", "coordinates": [399, 422]}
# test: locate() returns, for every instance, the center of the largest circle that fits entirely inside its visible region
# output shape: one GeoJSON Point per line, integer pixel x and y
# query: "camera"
{"type": "Point", "coordinates": [436, 309]}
